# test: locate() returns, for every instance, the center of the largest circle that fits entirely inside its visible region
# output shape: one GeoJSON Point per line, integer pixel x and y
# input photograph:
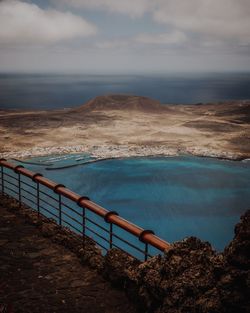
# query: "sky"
{"type": "Point", "coordinates": [124, 36]}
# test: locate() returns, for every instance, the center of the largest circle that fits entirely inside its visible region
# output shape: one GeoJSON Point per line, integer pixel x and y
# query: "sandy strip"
{"type": "Point", "coordinates": [121, 151]}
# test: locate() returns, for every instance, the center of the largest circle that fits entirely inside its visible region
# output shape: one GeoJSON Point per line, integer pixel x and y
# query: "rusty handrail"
{"type": "Point", "coordinates": [146, 236]}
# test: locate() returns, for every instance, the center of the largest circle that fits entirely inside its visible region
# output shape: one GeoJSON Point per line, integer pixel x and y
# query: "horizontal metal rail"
{"type": "Point", "coordinates": [61, 210]}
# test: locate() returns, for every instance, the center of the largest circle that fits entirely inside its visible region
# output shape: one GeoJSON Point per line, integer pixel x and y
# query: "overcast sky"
{"type": "Point", "coordinates": [100, 36]}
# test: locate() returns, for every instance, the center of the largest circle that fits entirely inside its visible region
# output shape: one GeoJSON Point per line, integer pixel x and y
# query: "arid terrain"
{"type": "Point", "coordinates": [121, 125]}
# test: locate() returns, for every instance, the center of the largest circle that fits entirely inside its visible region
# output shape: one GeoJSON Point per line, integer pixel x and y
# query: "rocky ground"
{"type": "Point", "coordinates": [190, 277]}
{"type": "Point", "coordinates": [38, 275]}
{"type": "Point", "coordinates": [122, 126]}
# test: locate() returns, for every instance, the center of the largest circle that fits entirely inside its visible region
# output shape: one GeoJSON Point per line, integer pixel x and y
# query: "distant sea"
{"type": "Point", "coordinates": [52, 91]}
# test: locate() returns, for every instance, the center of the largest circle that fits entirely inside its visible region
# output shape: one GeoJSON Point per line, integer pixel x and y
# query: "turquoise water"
{"type": "Point", "coordinates": [176, 196]}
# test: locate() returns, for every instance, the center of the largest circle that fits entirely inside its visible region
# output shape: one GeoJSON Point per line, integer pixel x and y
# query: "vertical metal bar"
{"type": "Point", "coordinates": [2, 173]}
{"type": "Point", "coordinates": [146, 252]}
{"type": "Point", "coordinates": [83, 225]}
{"type": "Point", "coordinates": [110, 236]}
{"type": "Point", "coordinates": [83, 221]}
{"type": "Point", "coordinates": [38, 198]}
{"type": "Point", "coordinates": [60, 210]}
{"type": "Point", "coordinates": [19, 190]}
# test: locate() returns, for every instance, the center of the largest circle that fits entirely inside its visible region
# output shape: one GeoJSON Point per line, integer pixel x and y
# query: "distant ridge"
{"type": "Point", "coordinates": [121, 102]}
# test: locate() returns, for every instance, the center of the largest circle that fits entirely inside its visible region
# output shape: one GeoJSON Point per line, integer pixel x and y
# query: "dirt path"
{"type": "Point", "coordinates": [37, 275]}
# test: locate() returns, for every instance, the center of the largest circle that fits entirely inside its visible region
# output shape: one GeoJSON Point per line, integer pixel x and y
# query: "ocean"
{"type": "Point", "coordinates": [174, 196]}
{"type": "Point", "coordinates": [54, 91]}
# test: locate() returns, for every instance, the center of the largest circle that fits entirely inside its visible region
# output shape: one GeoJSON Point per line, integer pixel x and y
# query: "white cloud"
{"type": "Point", "coordinates": [137, 43]}
{"type": "Point", "coordinates": [218, 19]}
{"type": "Point", "coordinates": [172, 38]}
{"type": "Point", "coordinates": [213, 33]}
{"type": "Point", "coordinates": [133, 8]}
{"type": "Point", "coordinates": [22, 22]}
{"type": "Point", "coordinates": [214, 20]}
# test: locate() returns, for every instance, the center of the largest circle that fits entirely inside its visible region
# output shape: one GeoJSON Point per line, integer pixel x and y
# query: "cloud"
{"type": "Point", "coordinates": [171, 38]}
{"type": "Point", "coordinates": [220, 20]}
{"type": "Point", "coordinates": [144, 43]}
{"type": "Point", "coordinates": [152, 34]}
{"type": "Point", "coordinates": [133, 8]}
{"type": "Point", "coordinates": [114, 44]}
{"type": "Point", "coordinates": [22, 22]}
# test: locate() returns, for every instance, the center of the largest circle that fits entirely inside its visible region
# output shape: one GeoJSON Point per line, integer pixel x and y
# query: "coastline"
{"type": "Point", "coordinates": [129, 126]}
{"type": "Point", "coordinates": [123, 151]}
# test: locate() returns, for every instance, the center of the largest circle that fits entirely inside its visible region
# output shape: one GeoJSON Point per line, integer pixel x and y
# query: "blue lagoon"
{"type": "Point", "coordinates": [175, 196]}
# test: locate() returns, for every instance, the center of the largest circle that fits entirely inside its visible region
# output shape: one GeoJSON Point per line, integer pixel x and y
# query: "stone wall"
{"type": "Point", "coordinates": [190, 277]}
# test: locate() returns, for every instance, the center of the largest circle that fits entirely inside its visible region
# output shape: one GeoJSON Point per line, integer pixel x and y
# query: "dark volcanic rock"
{"type": "Point", "coordinates": [196, 279]}
{"type": "Point", "coordinates": [119, 267]}
{"type": "Point", "coordinates": [234, 285]}
{"type": "Point", "coordinates": [122, 270]}
{"type": "Point", "coordinates": [179, 277]}
{"type": "Point", "coordinates": [189, 278]}
{"type": "Point", "coordinates": [238, 251]}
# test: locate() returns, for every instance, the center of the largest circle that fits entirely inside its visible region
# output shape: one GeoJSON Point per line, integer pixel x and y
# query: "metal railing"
{"type": "Point", "coordinates": [77, 212]}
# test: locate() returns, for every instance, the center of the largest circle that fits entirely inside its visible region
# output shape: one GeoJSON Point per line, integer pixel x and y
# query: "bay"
{"type": "Point", "coordinates": [176, 197]}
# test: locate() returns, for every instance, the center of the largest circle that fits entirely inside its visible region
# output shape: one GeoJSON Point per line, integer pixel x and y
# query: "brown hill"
{"type": "Point", "coordinates": [120, 102]}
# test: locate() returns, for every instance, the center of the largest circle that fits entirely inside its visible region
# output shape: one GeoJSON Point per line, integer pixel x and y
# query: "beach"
{"type": "Point", "coordinates": [119, 126]}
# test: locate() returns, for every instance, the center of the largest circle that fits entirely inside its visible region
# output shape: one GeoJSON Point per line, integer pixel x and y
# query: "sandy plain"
{"type": "Point", "coordinates": [121, 126]}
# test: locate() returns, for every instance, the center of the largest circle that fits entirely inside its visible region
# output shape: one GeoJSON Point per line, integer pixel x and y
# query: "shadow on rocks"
{"type": "Point", "coordinates": [189, 278]}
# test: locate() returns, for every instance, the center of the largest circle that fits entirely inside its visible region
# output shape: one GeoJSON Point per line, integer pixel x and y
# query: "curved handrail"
{"type": "Point", "coordinates": [147, 237]}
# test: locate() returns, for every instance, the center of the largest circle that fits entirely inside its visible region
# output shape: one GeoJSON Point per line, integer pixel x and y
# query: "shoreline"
{"type": "Point", "coordinates": [123, 151]}
{"type": "Point", "coordinates": [118, 127]}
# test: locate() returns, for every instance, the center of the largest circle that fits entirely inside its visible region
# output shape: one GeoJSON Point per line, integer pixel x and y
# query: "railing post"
{"type": "Point", "coordinates": [38, 198]}
{"type": "Point", "coordinates": [107, 220]}
{"type": "Point", "coordinates": [83, 221]}
{"type": "Point", "coordinates": [83, 218]}
{"type": "Point", "coordinates": [110, 236]}
{"type": "Point", "coordinates": [19, 184]}
{"type": "Point", "coordinates": [37, 192]}
{"type": "Point", "coordinates": [2, 178]}
{"type": "Point", "coordinates": [19, 190]}
{"type": "Point", "coordinates": [60, 209]}
{"type": "Point", "coordinates": [146, 252]}
{"type": "Point", "coordinates": [141, 238]}
{"type": "Point", "coordinates": [59, 201]}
